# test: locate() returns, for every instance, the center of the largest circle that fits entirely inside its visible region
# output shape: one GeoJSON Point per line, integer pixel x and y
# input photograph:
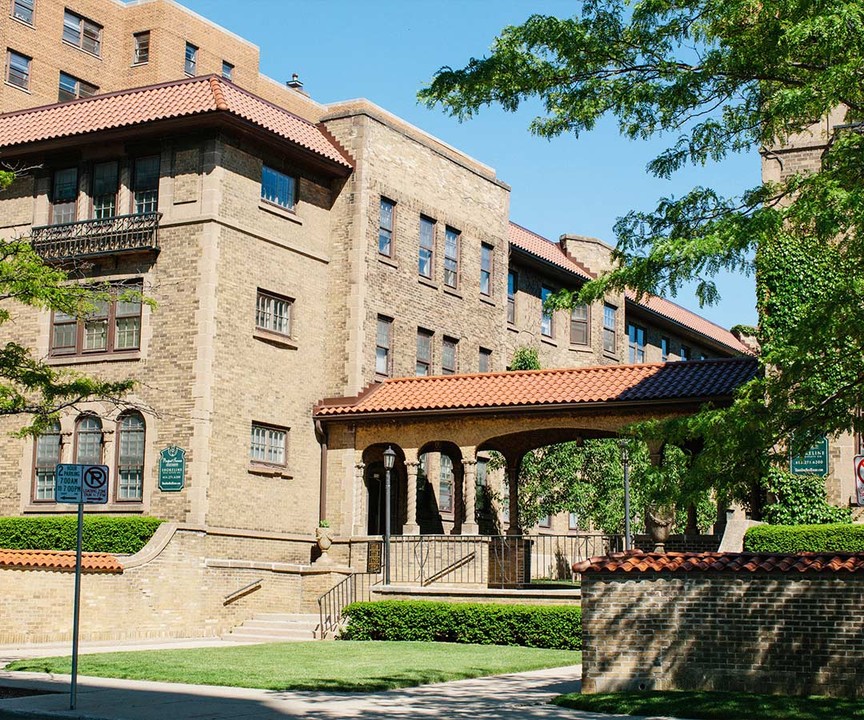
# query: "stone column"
{"type": "Point", "coordinates": [360, 499]}
{"type": "Point", "coordinates": [469, 496]}
{"type": "Point", "coordinates": [513, 487]}
{"type": "Point", "coordinates": [411, 526]}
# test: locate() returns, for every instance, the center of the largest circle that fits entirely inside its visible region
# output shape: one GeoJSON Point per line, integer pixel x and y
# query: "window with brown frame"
{"type": "Point", "coordinates": [88, 440]}
{"type": "Point", "coordinates": [580, 325]}
{"type": "Point", "coordinates": [484, 364]}
{"type": "Point", "coordinates": [72, 88]}
{"type": "Point", "coordinates": [446, 482]}
{"type": "Point", "coordinates": [23, 10]}
{"type": "Point", "coordinates": [449, 356]}
{"type": "Point", "coordinates": [104, 189]}
{"type": "Point", "coordinates": [487, 256]}
{"type": "Point", "coordinates": [46, 458]}
{"type": "Point", "coordinates": [451, 257]}
{"type": "Point", "coordinates": [547, 328]}
{"type": "Point", "coordinates": [512, 286]}
{"type": "Point", "coordinates": [426, 258]}
{"type": "Point", "coordinates": [18, 69]}
{"type": "Point", "coordinates": [383, 343]}
{"type": "Point", "coordinates": [385, 227]}
{"type": "Point", "coordinates": [268, 445]}
{"type": "Point", "coordinates": [424, 352]}
{"type": "Point", "coordinates": [64, 196]}
{"type": "Point", "coordinates": [685, 353]}
{"type": "Point", "coordinates": [636, 343]}
{"type": "Point", "coordinates": [82, 33]}
{"type": "Point", "coordinates": [664, 349]}
{"type": "Point", "coordinates": [145, 184]}
{"type": "Point", "coordinates": [131, 436]}
{"type": "Point", "coordinates": [610, 321]}
{"type": "Point", "coordinates": [190, 61]}
{"type": "Point", "coordinates": [141, 53]}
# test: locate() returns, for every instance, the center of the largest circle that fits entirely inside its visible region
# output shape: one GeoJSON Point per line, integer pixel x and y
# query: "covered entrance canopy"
{"type": "Point", "coordinates": [510, 412]}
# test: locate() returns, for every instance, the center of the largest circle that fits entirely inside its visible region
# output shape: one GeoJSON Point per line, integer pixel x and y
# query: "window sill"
{"type": "Point", "coordinates": [81, 49]}
{"type": "Point", "coordinates": [488, 300]}
{"type": "Point", "coordinates": [94, 358]}
{"type": "Point", "coordinates": [512, 327]}
{"type": "Point", "coordinates": [581, 348]}
{"type": "Point", "coordinates": [427, 282]}
{"type": "Point", "coordinates": [17, 87]}
{"type": "Point", "coordinates": [388, 261]}
{"type": "Point", "coordinates": [280, 211]}
{"type": "Point", "coordinates": [548, 341]}
{"type": "Point", "coordinates": [453, 291]}
{"type": "Point", "coordinates": [140, 64]}
{"type": "Point", "coordinates": [23, 22]}
{"type": "Point", "coordinates": [269, 471]}
{"type": "Point", "coordinates": [276, 339]}
{"type": "Point", "coordinates": [611, 356]}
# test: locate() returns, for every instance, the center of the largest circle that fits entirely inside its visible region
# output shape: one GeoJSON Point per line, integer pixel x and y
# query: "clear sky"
{"type": "Point", "coordinates": [386, 50]}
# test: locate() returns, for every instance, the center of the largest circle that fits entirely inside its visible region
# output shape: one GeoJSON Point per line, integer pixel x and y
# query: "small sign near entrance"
{"type": "Point", "coordinates": [172, 469]}
{"type": "Point", "coordinates": [812, 462]}
{"type": "Point", "coordinates": [858, 464]}
{"type": "Point", "coordinates": [81, 484]}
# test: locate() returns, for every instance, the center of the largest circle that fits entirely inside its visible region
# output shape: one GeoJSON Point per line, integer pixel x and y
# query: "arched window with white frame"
{"type": "Point", "coordinates": [88, 440]}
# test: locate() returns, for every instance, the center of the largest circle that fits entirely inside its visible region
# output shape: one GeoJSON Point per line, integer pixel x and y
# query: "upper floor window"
{"type": "Point", "coordinates": [427, 246]}
{"type": "Point", "coordinates": [278, 188]}
{"type": "Point", "coordinates": [383, 343]}
{"type": "Point", "coordinates": [71, 88]}
{"type": "Point", "coordinates": [227, 70]}
{"type": "Point", "coordinates": [685, 352]}
{"type": "Point", "coordinates": [610, 321]}
{"type": "Point", "coordinates": [580, 326]}
{"type": "Point", "coordinates": [664, 349]}
{"type": "Point", "coordinates": [23, 10]}
{"type": "Point", "coordinates": [47, 451]}
{"type": "Point", "coordinates": [424, 352]}
{"type": "Point", "coordinates": [141, 53]}
{"type": "Point", "coordinates": [112, 326]}
{"type": "Point", "coordinates": [484, 364]}
{"type": "Point", "coordinates": [18, 69]}
{"type": "Point", "coordinates": [636, 341]}
{"type": "Point", "coordinates": [451, 257]}
{"type": "Point", "coordinates": [486, 259]}
{"type": "Point", "coordinates": [273, 313]}
{"type": "Point", "coordinates": [64, 196]}
{"type": "Point", "coordinates": [105, 186]}
{"type": "Point", "coordinates": [385, 227]}
{"type": "Point", "coordinates": [268, 444]}
{"type": "Point", "coordinates": [445, 484]}
{"type": "Point", "coordinates": [145, 184]}
{"type": "Point", "coordinates": [191, 59]}
{"type": "Point", "coordinates": [449, 356]}
{"type": "Point", "coordinates": [82, 33]}
{"type": "Point", "coordinates": [130, 457]}
{"type": "Point", "coordinates": [546, 327]}
{"type": "Point", "coordinates": [512, 285]}
{"type": "Point", "coordinates": [88, 440]}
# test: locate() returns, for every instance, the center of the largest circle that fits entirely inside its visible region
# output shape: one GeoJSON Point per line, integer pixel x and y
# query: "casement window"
{"type": "Point", "coordinates": [18, 69]}
{"type": "Point", "coordinates": [23, 10]}
{"type": "Point", "coordinates": [273, 313]}
{"type": "Point", "coordinates": [112, 326]}
{"type": "Point", "coordinates": [424, 352]}
{"type": "Point", "coordinates": [88, 440]}
{"type": "Point", "coordinates": [573, 521]}
{"type": "Point", "coordinates": [64, 196]}
{"type": "Point", "coordinates": [141, 52]}
{"type": "Point", "coordinates": [512, 286]}
{"type": "Point", "coordinates": [664, 349]}
{"type": "Point", "coordinates": [145, 184]}
{"type": "Point", "coordinates": [426, 257]}
{"type": "Point", "coordinates": [268, 445]}
{"type": "Point", "coordinates": [546, 326]}
{"type": "Point", "coordinates": [104, 189]}
{"type": "Point", "coordinates": [445, 485]}
{"type": "Point", "coordinates": [685, 353]}
{"type": "Point", "coordinates": [636, 342]}
{"type": "Point", "coordinates": [383, 343]}
{"type": "Point", "coordinates": [449, 356]}
{"type": "Point", "coordinates": [487, 254]}
{"type": "Point", "coordinates": [278, 188]}
{"type": "Point", "coordinates": [580, 325]}
{"type": "Point", "coordinates": [190, 64]}
{"type": "Point", "coordinates": [385, 227]}
{"type": "Point", "coordinates": [610, 322]}
{"type": "Point", "coordinates": [82, 33]}
{"type": "Point", "coordinates": [451, 257]}
{"type": "Point", "coordinates": [71, 88]}
{"type": "Point", "coordinates": [227, 70]}
{"type": "Point", "coordinates": [484, 363]}
{"type": "Point", "coordinates": [131, 434]}
{"type": "Point", "coordinates": [545, 522]}
{"type": "Point", "coordinates": [47, 456]}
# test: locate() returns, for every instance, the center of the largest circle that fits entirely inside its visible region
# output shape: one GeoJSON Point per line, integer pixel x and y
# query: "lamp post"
{"type": "Point", "coordinates": [624, 444]}
{"type": "Point", "coordinates": [389, 460]}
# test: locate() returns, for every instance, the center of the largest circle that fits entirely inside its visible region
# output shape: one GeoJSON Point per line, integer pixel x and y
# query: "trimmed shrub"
{"type": "Point", "coordinates": [122, 535]}
{"type": "Point", "coordinates": [542, 626]}
{"type": "Point", "coordinates": [840, 537]}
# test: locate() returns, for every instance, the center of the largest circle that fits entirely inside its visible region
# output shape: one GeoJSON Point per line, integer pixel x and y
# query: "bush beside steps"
{"type": "Point", "coordinates": [836, 537]}
{"type": "Point", "coordinates": [119, 535]}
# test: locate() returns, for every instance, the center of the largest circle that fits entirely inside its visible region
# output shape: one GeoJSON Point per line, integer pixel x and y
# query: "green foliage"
{"type": "Point", "coordinates": [557, 627]}
{"type": "Point", "coordinates": [800, 500]}
{"type": "Point", "coordinates": [841, 537]}
{"type": "Point", "coordinates": [125, 535]}
{"type": "Point", "coordinates": [525, 358]}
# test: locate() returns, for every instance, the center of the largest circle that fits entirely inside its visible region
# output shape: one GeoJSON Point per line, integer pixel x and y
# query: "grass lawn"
{"type": "Point", "coordinates": [342, 665]}
{"type": "Point", "coordinates": [716, 705]}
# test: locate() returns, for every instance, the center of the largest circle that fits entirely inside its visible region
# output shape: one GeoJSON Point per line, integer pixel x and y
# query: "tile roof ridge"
{"type": "Point", "coordinates": [218, 95]}
{"type": "Point", "coordinates": [531, 232]}
{"type": "Point", "coordinates": [632, 295]}
{"type": "Point", "coordinates": [264, 101]}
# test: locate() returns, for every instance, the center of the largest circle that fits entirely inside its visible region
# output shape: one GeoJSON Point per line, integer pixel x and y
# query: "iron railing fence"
{"type": "Point", "coordinates": [88, 238]}
{"type": "Point", "coordinates": [354, 588]}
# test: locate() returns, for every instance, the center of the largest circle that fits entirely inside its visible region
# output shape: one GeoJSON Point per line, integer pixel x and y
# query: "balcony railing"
{"type": "Point", "coordinates": [89, 238]}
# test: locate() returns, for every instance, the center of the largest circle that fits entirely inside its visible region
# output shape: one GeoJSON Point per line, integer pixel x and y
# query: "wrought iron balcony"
{"type": "Point", "coordinates": [90, 238]}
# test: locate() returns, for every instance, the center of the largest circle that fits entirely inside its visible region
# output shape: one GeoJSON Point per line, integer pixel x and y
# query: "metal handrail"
{"type": "Point", "coordinates": [87, 238]}
{"type": "Point", "coordinates": [354, 588]}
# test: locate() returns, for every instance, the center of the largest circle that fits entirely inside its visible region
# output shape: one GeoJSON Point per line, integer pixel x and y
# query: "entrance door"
{"type": "Point", "coordinates": [375, 488]}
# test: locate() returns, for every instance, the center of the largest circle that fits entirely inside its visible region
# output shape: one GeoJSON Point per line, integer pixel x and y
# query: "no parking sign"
{"type": "Point", "coordinates": [859, 478]}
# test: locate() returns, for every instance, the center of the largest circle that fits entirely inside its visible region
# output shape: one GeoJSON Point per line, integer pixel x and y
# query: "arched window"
{"type": "Point", "coordinates": [47, 457]}
{"type": "Point", "coordinates": [88, 440]}
{"type": "Point", "coordinates": [130, 457]}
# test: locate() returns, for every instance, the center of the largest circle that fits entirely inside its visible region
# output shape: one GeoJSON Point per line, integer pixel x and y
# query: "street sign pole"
{"type": "Point", "coordinates": [76, 609]}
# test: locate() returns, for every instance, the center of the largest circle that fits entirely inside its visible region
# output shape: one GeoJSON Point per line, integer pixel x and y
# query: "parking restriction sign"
{"type": "Point", "coordinates": [81, 484]}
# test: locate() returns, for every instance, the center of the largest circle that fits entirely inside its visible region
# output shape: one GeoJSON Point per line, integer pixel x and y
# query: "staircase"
{"type": "Point", "coordinates": [276, 627]}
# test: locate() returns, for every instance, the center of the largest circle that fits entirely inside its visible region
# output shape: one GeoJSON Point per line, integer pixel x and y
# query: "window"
{"type": "Point", "coordinates": [141, 54]}
{"type": "Point", "coordinates": [268, 444]}
{"type": "Point", "coordinates": [445, 485]}
{"type": "Point", "coordinates": [685, 353]}
{"type": "Point", "coordinates": [227, 70]}
{"type": "Point", "coordinates": [130, 457]}
{"type": "Point", "coordinates": [546, 327]}
{"type": "Point", "coordinates": [610, 320]}
{"type": "Point", "coordinates": [104, 191]}
{"type": "Point", "coordinates": [88, 440]}
{"type": "Point", "coordinates": [278, 188]}
{"type": "Point", "coordinates": [82, 33]}
{"type": "Point", "coordinates": [703, 356]}
{"type": "Point", "coordinates": [64, 196]}
{"type": "Point", "coordinates": [145, 184]}
{"type": "Point", "coordinates": [636, 340]}
{"type": "Point", "coordinates": [23, 10]}
{"type": "Point", "coordinates": [18, 70]}
{"type": "Point", "coordinates": [545, 521]}
{"type": "Point", "coordinates": [71, 88]}
{"type": "Point", "coordinates": [449, 356]}
{"type": "Point", "coordinates": [486, 260]}
{"type": "Point", "coordinates": [383, 342]}
{"type": "Point", "coordinates": [451, 257]}
{"type": "Point", "coordinates": [427, 246]}
{"type": "Point", "coordinates": [191, 60]}
{"type": "Point", "coordinates": [512, 285]}
{"type": "Point", "coordinates": [580, 326]}
{"type": "Point", "coordinates": [385, 227]}
{"type": "Point", "coordinates": [664, 349]}
{"type": "Point", "coordinates": [424, 352]}
{"type": "Point", "coordinates": [573, 521]}
{"type": "Point", "coordinates": [273, 313]}
{"type": "Point", "coordinates": [485, 362]}
{"type": "Point", "coordinates": [112, 326]}
{"type": "Point", "coordinates": [47, 457]}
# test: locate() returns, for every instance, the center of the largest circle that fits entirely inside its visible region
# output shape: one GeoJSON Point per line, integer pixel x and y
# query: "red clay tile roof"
{"type": "Point", "coordinates": [695, 380]}
{"type": "Point", "coordinates": [547, 250]}
{"type": "Point", "coordinates": [184, 98]}
{"type": "Point", "coordinates": [637, 561]}
{"type": "Point", "coordinates": [59, 560]}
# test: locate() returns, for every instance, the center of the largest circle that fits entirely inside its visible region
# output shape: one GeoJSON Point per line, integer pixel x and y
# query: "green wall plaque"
{"type": "Point", "coordinates": [172, 469]}
{"type": "Point", "coordinates": [812, 462]}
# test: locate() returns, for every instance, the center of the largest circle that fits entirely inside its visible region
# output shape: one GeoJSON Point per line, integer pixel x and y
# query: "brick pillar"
{"type": "Point", "coordinates": [411, 527]}
{"type": "Point", "coordinates": [513, 487]}
{"type": "Point", "coordinates": [361, 498]}
{"type": "Point", "coordinates": [469, 495]}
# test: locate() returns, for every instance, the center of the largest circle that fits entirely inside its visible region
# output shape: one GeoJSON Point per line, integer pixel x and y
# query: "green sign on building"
{"type": "Point", "coordinates": [812, 462]}
{"type": "Point", "coordinates": [172, 469]}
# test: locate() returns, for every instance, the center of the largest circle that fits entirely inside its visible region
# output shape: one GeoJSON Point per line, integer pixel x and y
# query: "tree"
{"type": "Point", "coordinates": [720, 77]}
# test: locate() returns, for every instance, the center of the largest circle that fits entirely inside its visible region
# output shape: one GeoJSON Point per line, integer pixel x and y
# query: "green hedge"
{"type": "Point", "coordinates": [124, 535]}
{"type": "Point", "coordinates": [840, 537]}
{"type": "Point", "coordinates": [549, 626]}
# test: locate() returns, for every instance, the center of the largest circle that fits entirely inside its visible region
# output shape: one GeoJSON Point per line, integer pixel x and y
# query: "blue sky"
{"type": "Point", "coordinates": [386, 50]}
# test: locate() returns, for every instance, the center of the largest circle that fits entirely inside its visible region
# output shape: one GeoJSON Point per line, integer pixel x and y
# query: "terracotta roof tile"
{"type": "Point", "coordinates": [547, 250]}
{"type": "Point", "coordinates": [637, 561]}
{"type": "Point", "coordinates": [702, 380]}
{"type": "Point", "coordinates": [184, 98]}
{"type": "Point", "coordinates": [59, 560]}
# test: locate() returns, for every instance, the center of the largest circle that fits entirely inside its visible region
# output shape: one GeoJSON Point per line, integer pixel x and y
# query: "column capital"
{"type": "Point", "coordinates": [409, 465]}
{"type": "Point", "coordinates": [360, 466]}
{"type": "Point", "coordinates": [469, 463]}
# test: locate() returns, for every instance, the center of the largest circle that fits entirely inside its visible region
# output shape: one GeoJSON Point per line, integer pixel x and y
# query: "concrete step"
{"type": "Point", "coordinates": [276, 627]}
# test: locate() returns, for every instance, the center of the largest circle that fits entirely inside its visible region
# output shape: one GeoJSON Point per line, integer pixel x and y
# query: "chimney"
{"type": "Point", "coordinates": [295, 84]}
{"type": "Point", "coordinates": [594, 254]}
